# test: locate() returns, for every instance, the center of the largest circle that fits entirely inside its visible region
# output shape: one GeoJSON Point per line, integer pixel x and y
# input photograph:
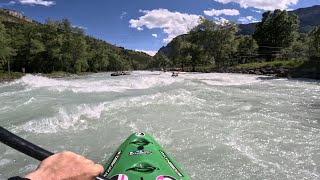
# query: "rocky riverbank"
{"type": "Point", "coordinates": [290, 69]}
{"type": "Point", "coordinates": [274, 71]}
{"type": "Point", "coordinates": [269, 71]}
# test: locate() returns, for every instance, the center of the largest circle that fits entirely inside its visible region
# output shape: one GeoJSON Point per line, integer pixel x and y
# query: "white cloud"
{"type": "Point", "coordinates": [228, 12]}
{"type": "Point", "coordinates": [155, 35]}
{"type": "Point", "coordinates": [262, 4]}
{"type": "Point", "coordinates": [123, 15]}
{"type": "Point", "coordinates": [172, 23]}
{"type": "Point", "coordinates": [140, 28]}
{"type": "Point", "coordinates": [11, 3]}
{"type": "Point", "coordinates": [37, 2]}
{"type": "Point", "coordinates": [80, 27]}
{"type": "Point", "coordinates": [220, 20]}
{"type": "Point", "coordinates": [8, 4]}
{"type": "Point", "coordinates": [248, 19]}
{"type": "Point", "coordinates": [257, 11]}
{"type": "Point", "coordinates": [151, 53]}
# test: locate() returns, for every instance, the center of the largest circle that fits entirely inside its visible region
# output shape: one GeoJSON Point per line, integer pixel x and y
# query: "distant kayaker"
{"type": "Point", "coordinates": [174, 74]}
{"type": "Point", "coordinates": [65, 165]}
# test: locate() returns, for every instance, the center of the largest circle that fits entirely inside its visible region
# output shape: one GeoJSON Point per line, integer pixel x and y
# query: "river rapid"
{"type": "Point", "coordinates": [216, 126]}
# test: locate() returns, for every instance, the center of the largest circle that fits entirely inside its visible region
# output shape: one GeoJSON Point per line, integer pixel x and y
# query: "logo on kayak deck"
{"type": "Point", "coordinates": [115, 159]}
{"type": "Point", "coordinates": [119, 177]}
{"type": "Point", "coordinates": [139, 152]}
{"type": "Point", "coordinates": [140, 134]}
{"type": "Point", "coordinates": [171, 164]}
{"type": "Point", "coordinates": [165, 178]}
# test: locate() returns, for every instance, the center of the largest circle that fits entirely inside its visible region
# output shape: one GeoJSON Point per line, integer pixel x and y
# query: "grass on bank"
{"type": "Point", "coordinates": [290, 64]}
{"type": "Point", "coordinates": [5, 76]}
{"type": "Point", "coordinates": [57, 74]}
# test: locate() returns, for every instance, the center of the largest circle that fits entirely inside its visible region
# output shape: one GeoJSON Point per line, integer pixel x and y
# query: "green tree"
{"type": "Point", "coordinates": [98, 55]}
{"type": "Point", "coordinates": [6, 51]}
{"type": "Point", "coordinates": [299, 48]}
{"type": "Point", "coordinates": [59, 46]}
{"type": "Point", "coordinates": [53, 41]}
{"type": "Point", "coordinates": [216, 40]}
{"type": "Point", "coordinates": [27, 40]}
{"type": "Point", "coordinates": [247, 49]}
{"type": "Point", "coordinates": [276, 31]}
{"type": "Point", "coordinates": [314, 43]}
{"type": "Point", "coordinates": [161, 61]}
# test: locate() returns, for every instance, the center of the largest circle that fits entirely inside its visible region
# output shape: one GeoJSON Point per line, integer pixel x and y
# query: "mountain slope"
{"type": "Point", "coordinates": [136, 60]}
{"type": "Point", "coordinates": [309, 18]}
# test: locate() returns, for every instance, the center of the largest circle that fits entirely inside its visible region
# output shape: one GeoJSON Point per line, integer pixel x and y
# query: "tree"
{"type": "Point", "coordinates": [161, 61]}
{"type": "Point", "coordinates": [6, 51]}
{"type": "Point", "coordinates": [314, 43]}
{"type": "Point", "coordinates": [276, 31]}
{"type": "Point", "coordinates": [299, 48]}
{"type": "Point", "coordinates": [216, 40]}
{"type": "Point", "coordinates": [194, 54]}
{"type": "Point", "coordinates": [53, 41]}
{"type": "Point", "coordinates": [247, 49]}
{"type": "Point", "coordinates": [98, 56]}
{"type": "Point", "coordinates": [59, 46]}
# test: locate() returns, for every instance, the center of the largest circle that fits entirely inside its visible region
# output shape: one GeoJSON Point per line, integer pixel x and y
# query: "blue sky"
{"type": "Point", "coordinates": [147, 25]}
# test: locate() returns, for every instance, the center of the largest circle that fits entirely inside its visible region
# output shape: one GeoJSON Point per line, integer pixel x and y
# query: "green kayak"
{"type": "Point", "coordinates": [140, 157]}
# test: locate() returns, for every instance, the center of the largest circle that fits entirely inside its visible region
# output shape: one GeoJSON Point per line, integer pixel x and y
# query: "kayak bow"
{"type": "Point", "coordinates": [140, 157]}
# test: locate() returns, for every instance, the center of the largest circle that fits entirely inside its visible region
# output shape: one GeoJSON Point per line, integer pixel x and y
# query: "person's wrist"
{"type": "Point", "coordinates": [36, 175]}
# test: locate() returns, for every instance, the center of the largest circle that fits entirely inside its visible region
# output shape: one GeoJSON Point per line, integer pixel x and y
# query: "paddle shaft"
{"type": "Point", "coordinates": [27, 147]}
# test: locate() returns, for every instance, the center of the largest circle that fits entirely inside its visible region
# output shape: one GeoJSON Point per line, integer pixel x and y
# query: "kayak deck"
{"type": "Point", "coordinates": [140, 157]}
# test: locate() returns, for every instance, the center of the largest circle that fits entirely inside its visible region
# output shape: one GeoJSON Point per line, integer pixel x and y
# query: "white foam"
{"type": "Point", "coordinates": [29, 101]}
{"type": "Point", "coordinates": [80, 117]}
{"type": "Point", "coordinates": [108, 84]}
{"type": "Point", "coordinates": [4, 162]}
{"type": "Point", "coordinates": [224, 79]}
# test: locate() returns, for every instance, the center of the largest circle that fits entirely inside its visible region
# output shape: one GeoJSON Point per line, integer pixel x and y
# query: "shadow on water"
{"type": "Point", "coordinates": [289, 79]}
{"type": "Point", "coordinates": [268, 78]}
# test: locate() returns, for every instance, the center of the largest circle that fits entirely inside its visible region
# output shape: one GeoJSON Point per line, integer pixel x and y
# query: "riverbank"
{"type": "Point", "coordinates": [5, 77]}
{"type": "Point", "coordinates": [290, 69]}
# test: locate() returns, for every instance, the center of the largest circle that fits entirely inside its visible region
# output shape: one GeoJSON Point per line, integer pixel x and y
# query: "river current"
{"type": "Point", "coordinates": [216, 126]}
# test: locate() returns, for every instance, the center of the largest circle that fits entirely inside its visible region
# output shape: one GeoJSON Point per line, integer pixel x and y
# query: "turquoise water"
{"type": "Point", "coordinates": [216, 126]}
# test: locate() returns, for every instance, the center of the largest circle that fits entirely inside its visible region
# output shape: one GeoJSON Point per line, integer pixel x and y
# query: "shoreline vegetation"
{"type": "Point", "coordinates": [285, 69]}
{"type": "Point", "coordinates": [56, 49]}
{"type": "Point", "coordinates": [58, 46]}
{"type": "Point", "coordinates": [5, 77]}
{"type": "Point", "coordinates": [276, 48]}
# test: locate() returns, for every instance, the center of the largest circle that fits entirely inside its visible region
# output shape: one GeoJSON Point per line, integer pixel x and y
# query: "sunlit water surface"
{"type": "Point", "coordinates": [216, 126]}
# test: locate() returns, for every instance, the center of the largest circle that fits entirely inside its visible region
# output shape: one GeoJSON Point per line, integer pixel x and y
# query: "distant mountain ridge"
{"type": "Point", "coordinates": [309, 18]}
{"type": "Point", "coordinates": [6, 13]}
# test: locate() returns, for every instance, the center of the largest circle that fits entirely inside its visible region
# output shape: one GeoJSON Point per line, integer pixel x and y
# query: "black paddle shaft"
{"type": "Point", "coordinates": [26, 147]}
{"type": "Point", "coordinates": [22, 145]}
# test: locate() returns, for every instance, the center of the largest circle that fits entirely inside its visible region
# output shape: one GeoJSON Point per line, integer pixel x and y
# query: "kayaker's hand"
{"type": "Point", "coordinates": [66, 165]}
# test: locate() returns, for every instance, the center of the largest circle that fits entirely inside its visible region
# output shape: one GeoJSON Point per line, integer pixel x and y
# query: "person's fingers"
{"type": "Point", "coordinates": [97, 169]}
{"type": "Point", "coordinates": [88, 162]}
{"type": "Point", "coordinates": [79, 157]}
{"type": "Point", "coordinates": [68, 153]}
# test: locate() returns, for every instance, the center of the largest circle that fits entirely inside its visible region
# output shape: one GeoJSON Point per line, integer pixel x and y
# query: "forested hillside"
{"type": "Point", "coordinates": [213, 45]}
{"type": "Point", "coordinates": [58, 46]}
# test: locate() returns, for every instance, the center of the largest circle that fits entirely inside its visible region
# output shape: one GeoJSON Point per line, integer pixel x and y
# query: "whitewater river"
{"type": "Point", "coordinates": [216, 126]}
